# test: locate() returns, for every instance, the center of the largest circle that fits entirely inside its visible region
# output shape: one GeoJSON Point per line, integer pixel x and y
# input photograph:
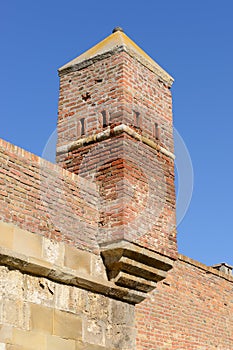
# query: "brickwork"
{"type": "Point", "coordinates": [136, 197]}
{"type": "Point", "coordinates": [114, 90]}
{"type": "Point", "coordinates": [82, 245]}
{"type": "Point", "coordinates": [135, 182]}
{"type": "Point", "coordinates": [192, 309]}
{"type": "Point", "coordinates": [43, 198]}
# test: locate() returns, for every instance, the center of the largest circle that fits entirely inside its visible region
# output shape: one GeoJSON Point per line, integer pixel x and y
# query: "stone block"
{"type": "Point", "coordinates": [6, 235]}
{"type": "Point", "coordinates": [121, 313]}
{"type": "Point", "coordinates": [94, 332]}
{"type": "Point", "coordinates": [78, 300]}
{"type": "Point", "coordinates": [62, 297]}
{"type": "Point", "coordinates": [28, 340]}
{"type": "Point", "coordinates": [67, 325]}
{"type": "Point", "coordinates": [27, 243]}
{"type": "Point", "coordinates": [121, 337]}
{"type": "Point", "coordinates": [41, 318]}
{"type": "Point", "coordinates": [77, 260]}
{"type": "Point", "coordinates": [133, 282]}
{"type": "Point", "coordinates": [97, 267]}
{"type": "Point", "coordinates": [1, 310]}
{"type": "Point", "coordinates": [86, 346]}
{"type": "Point", "coordinates": [39, 290]}
{"type": "Point", "coordinates": [99, 307]}
{"type": "Point", "coordinates": [56, 343]}
{"type": "Point", "coordinates": [134, 267]}
{"type": "Point", "coordinates": [5, 333]}
{"type": "Point", "coordinates": [12, 283]}
{"type": "Point", "coordinates": [15, 347]}
{"type": "Point", "coordinates": [13, 313]}
{"type": "Point", "coordinates": [38, 267]}
{"type": "Point", "coordinates": [53, 251]}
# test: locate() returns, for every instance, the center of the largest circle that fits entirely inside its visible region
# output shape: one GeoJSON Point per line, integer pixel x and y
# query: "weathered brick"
{"type": "Point", "coordinates": [192, 309]}
{"type": "Point", "coordinates": [115, 131]}
{"type": "Point", "coordinates": [134, 180]}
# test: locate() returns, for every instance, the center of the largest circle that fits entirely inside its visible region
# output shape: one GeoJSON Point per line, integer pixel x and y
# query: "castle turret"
{"type": "Point", "coordinates": [115, 129]}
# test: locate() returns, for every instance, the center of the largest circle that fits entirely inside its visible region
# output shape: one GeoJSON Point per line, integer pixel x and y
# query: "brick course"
{"type": "Point", "coordinates": [191, 310]}
{"type": "Point", "coordinates": [135, 183]}
{"type": "Point", "coordinates": [123, 88]}
{"type": "Point", "coordinates": [43, 198]}
{"type": "Point", "coordinates": [74, 240]}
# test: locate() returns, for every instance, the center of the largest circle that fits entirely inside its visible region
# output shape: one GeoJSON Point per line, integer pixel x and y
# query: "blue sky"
{"type": "Point", "coordinates": [192, 40]}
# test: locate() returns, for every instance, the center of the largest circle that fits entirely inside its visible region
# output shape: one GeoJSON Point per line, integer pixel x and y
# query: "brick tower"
{"type": "Point", "coordinates": [115, 130]}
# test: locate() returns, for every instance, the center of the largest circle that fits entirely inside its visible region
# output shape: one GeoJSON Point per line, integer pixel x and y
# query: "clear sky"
{"type": "Point", "coordinates": [192, 40]}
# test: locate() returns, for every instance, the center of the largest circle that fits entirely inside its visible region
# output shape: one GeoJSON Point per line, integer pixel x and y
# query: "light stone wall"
{"type": "Point", "coordinates": [37, 314]}
{"type": "Point", "coordinates": [60, 262]}
{"type": "Point", "coordinates": [52, 297]}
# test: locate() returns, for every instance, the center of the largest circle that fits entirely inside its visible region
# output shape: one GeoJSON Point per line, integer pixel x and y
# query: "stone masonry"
{"type": "Point", "coordinates": [88, 254]}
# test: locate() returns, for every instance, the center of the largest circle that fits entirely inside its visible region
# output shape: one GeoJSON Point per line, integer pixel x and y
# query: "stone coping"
{"type": "Point", "coordinates": [115, 43]}
{"type": "Point", "coordinates": [207, 269]}
{"type": "Point", "coordinates": [103, 135]}
{"type": "Point", "coordinates": [132, 266]}
{"type": "Point", "coordinates": [60, 262]}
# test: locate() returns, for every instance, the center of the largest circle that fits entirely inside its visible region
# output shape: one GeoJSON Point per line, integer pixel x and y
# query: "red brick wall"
{"type": "Point", "coordinates": [145, 93]}
{"type": "Point", "coordinates": [191, 309]}
{"type": "Point", "coordinates": [43, 198]}
{"type": "Point", "coordinates": [123, 88]}
{"type": "Point", "coordinates": [136, 193]}
{"type": "Point", "coordinates": [135, 182]}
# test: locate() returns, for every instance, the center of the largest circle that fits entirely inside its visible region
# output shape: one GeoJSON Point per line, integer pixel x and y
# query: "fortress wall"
{"type": "Point", "coordinates": [39, 314]}
{"type": "Point", "coordinates": [42, 198]}
{"type": "Point", "coordinates": [191, 309]}
{"type": "Point", "coordinates": [115, 127]}
{"type": "Point", "coordinates": [119, 87]}
{"type": "Point", "coordinates": [54, 292]}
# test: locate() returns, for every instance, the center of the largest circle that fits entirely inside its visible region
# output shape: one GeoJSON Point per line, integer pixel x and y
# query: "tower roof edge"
{"type": "Point", "coordinates": [119, 41]}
